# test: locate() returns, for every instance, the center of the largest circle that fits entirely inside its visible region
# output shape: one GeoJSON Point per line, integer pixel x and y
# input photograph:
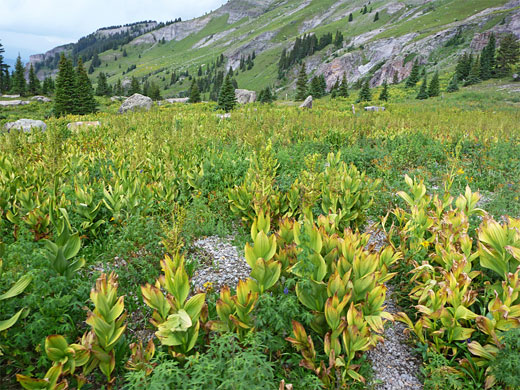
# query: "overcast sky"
{"type": "Point", "coordinates": [35, 26]}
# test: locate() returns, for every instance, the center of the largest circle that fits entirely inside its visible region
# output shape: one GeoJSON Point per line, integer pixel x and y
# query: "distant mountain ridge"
{"type": "Point", "coordinates": [380, 48]}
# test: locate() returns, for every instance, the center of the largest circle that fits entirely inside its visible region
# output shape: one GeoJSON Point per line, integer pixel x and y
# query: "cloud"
{"type": "Point", "coordinates": [39, 25]}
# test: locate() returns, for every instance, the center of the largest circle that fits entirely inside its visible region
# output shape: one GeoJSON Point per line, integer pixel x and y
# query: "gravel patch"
{"type": "Point", "coordinates": [222, 264]}
{"type": "Point", "coordinates": [395, 365]}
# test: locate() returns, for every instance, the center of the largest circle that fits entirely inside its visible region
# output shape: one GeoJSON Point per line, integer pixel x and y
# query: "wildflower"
{"type": "Point", "coordinates": [460, 171]}
{"type": "Point", "coordinates": [425, 244]}
{"type": "Point", "coordinates": [208, 286]}
{"type": "Point", "coordinates": [286, 290]}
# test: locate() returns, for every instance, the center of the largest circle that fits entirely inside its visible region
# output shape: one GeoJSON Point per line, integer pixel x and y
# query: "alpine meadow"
{"type": "Point", "coordinates": [276, 195]}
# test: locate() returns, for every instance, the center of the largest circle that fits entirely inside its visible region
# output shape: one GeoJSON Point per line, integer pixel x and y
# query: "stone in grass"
{"type": "Point", "coordinates": [26, 125]}
{"type": "Point", "coordinates": [77, 125]}
{"type": "Point", "coordinates": [136, 102]}
{"type": "Point", "coordinates": [42, 99]}
{"type": "Point", "coordinates": [307, 103]}
{"type": "Point", "coordinates": [227, 115]}
{"type": "Point", "coordinates": [244, 96]}
{"type": "Point", "coordinates": [375, 108]}
{"type": "Point", "coordinates": [13, 102]}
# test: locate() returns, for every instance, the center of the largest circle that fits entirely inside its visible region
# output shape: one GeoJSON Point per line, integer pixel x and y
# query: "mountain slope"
{"type": "Point", "coordinates": [434, 32]}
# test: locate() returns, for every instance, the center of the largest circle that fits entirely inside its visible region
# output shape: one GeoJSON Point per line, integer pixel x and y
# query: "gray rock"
{"type": "Point", "coordinates": [375, 108]}
{"type": "Point", "coordinates": [26, 125]}
{"type": "Point", "coordinates": [77, 125]}
{"type": "Point", "coordinates": [227, 115]}
{"type": "Point", "coordinates": [11, 96]}
{"type": "Point", "coordinates": [136, 102]}
{"type": "Point", "coordinates": [43, 99]}
{"type": "Point", "coordinates": [516, 77]}
{"type": "Point", "coordinates": [6, 103]}
{"type": "Point", "coordinates": [176, 100]}
{"type": "Point", "coordinates": [307, 103]}
{"type": "Point", "coordinates": [117, 98]}
{"type": "Point", "coordinates": [244, 96]}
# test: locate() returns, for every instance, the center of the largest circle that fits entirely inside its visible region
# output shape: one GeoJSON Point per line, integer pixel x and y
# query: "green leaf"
{"type": "Point", "coordinates": [6, 324]}
{"type": "Point", "coordinates": [17, 288]}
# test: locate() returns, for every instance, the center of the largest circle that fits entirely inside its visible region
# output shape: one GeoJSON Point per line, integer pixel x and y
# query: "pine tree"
{"type": "Point", "coordinates": [487, 59]}
{"type": "Point", "coordinates": [414, 75]}
{"type": "Point", "coordinates": [266, 96]}
{"type": "Point", "coordinates": [4, 72]}
{"type": "Point", "coordinates": [96, 62]}
{"type": "Point", "coordinates": [464, 66]}
{"type": "Point", "coordinates": [338, 39]}
{"type": "Point", "coordinates": [19, 84]}
{"type": "Point", "coordinates": [301, 84]}
{"type": "Point", "coordinates": [315, 88]}
{"type": "Point", "coordinates": [434, 88]}
{"type": "Point", "coordinates": [365, 95]}
{"type": "Point", "coordinates": [194, 93]}
{"type": "Point", "coordinates": [65, 92]}
{"type": "Point", "coordinates": [34, 83]}
{"type": "Point", "coordinates": [376, 17]}
{"type": "Point", "coordinates": [343, 88]}
{"type": "Point", "coordinates": [508, 54]}
{"type": "Point", "coordinates": [384, 96]}
{"type": "Point", "coordinates": [134, 87]}
{"type": "Point", "coordinates": [350, 17]}
{"type": "Point", "coordinates": [154, 92]}
{"type": "Point", "coordinates": [85, 102]}
{"type": "Point", "coordinates": [103, 89]}
{"type": "Point", "coordinates": [227, 99]}
{"type": "Point", "coordinates": [423, 92]}
{"type": "Point", "coordinates": [474, 74]}
{"type": "Point", "coordinates": [118, 89]}
{"type": "Point", "coordinates": [395, 78]}
{"type": "Point", "coordinates": [125, 54]}
{"type": "Point", "coordinates": [453, 86]}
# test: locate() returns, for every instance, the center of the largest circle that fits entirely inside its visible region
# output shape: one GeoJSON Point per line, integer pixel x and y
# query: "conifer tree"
{"type": "Point", "coordinates": [334, 90]}
{"type": "Point", "coordinates": [315, 88]}
{"type": "Point", "coordinates": [227, 99]}
{"type": "Point", "coordinates": [423, 91]}
{"type": "Point", "coordinates": [474, 74]}
{"type": "Point", "coordinates": [376, 17]}
{"type": "Point", "coordinates": [301, 84]}
{"type": "Point", "coordinates": [125, 54]}
{"type": "Point", "coordinates": [85, 102]}
{"type": "Point", "coordinates": [434, 88]}
{"type": "Point", "coordinates": [508, 54]}
{"type": "Point", "coordinates": [464, 66]}
{"type": "Point", "coordinates": [154, 92]}
{"type": "Point", "coordinates": [194, 93]}
{"type": "Point", "coordinates": [343, 88]}
{"type": "Point", "coordinates": [365, 95]}
{"type": "Point", "coordinates": [4, 72]}
{"type": "Point", "coordinates": [395, 78]}
{"type": "Point", "coordinates": [266, 96]}
{"type": "Point", "coordinates": [65, 91]}
{"type": "Point", "coordinates": [384, 96]}
{"type": "Point", "coordinates": [350, 17]}
{"type": "Point", "coordinates": [34, 83]}
{"type": "Point", "coordinates": [338, 39]}
{"type": "Point", "coordinates": [19, 84]}
{"type": "Point", "coordinates": [96, 62]}
{"type": "Point", "coordinates": [487, 59]}
{"type": "Point", "coordinates": [453, 86]}
{"type": "Point", "coordinates": [414, 75]}
{"type": "Point", "coordinates": [134, 87]}
{"type": "Point", "coordinates": [102, 89]}
{"type": "Point", "coordinates": [118, 88]}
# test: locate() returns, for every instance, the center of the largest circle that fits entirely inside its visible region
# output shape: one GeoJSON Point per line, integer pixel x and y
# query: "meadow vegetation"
{"type": "Point", "coordinates": [98, 224]}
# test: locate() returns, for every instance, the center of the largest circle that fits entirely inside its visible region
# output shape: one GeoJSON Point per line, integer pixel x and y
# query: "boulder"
{"type": "Point", "coordinates": [26, 125]}
{"type": "Point", "coordinates": [176, 100]}
{"type": "Point", "coordinates": [11, 96]}
{"type": "Point", "coordinates": [77, 125]}
{"type": "Point", "coordinates": [307, 103]}
{"type": "Point", "coordinates": [516, 77]}
{"type": "Point", "coordinates": [117, 98]}
{"type": "Point", "coordinates": [244, 96]}
{"type": "Point", "coordinates": [43, 99]}
{"type": "Point", "coordinates": [136, 102]}
{"type": "Point", "coordinates": [6, 103]}
{"type": "Point", "coordinates": [375, 108]}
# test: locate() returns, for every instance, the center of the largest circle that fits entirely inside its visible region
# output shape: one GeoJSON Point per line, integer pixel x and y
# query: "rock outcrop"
{"type": "Point", "coordinates": [41, 99]}
{"type": "Point", "coordinates": [77, 125]}
{"type": "Point", "coordinates": [244, 96]}
{"type": "Point", "coordinates": [26, 125]}
{"type": "Point", "coordinates": [176, 100]}
{"type": "Point", "coordinates": [136, 102]}
{"type": "Point", "coordinates": [6, 103]}
{"type": "Point", "coordinates": [375, 108]}
{"type": "Point", "coordinates": [307, 103]}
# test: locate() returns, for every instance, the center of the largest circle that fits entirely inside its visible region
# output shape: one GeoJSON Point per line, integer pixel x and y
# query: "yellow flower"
{"type": "Point", "coordinates": [460, 171]}
{"type": "Point", "coordinates": [425, 244]}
